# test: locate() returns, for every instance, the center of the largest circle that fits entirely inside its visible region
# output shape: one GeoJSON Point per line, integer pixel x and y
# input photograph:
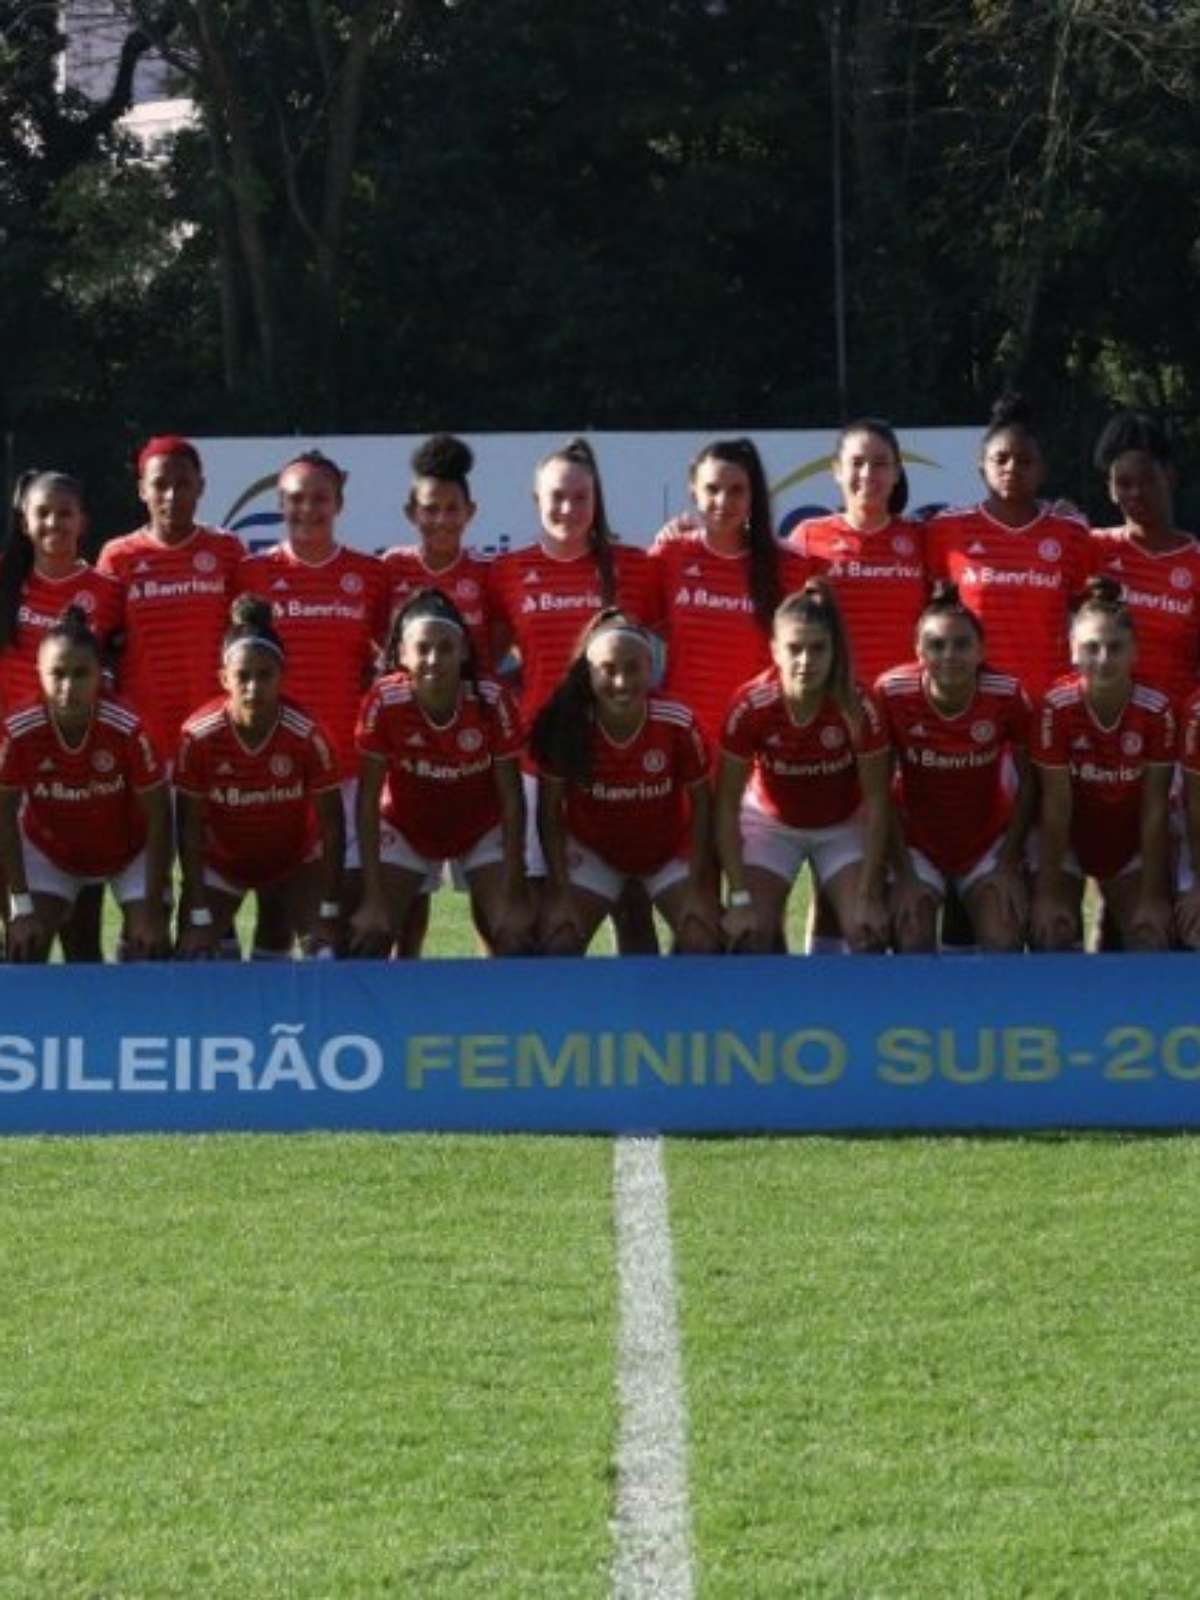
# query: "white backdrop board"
{"type": "Point", "coordinates": [645, 479]}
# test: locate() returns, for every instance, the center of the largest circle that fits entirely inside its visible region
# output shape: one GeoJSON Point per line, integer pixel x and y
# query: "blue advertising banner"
{"type": "Point", "coordinates": [637, 1045]}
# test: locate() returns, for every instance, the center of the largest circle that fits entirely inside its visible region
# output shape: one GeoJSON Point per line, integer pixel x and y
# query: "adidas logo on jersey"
{"type": "Point", "coordinates": [532, 576]}
{"type": "Point", "coordinates": [919, 731]}
{"type": "Point", "coordinates": [976, 549]}
{"type": "Point", "coordinates": [224, 770]}
{"type": "Point", "coordinates": [693, 571]}
{"type": "Point", "coordinates": [1082, 742]}
{"type": "Point", "coordinates": [47, 764]}
{"type": "Point", "coordinates": [416, 741]}
{"type": "Point", "coordinates": [142, 566]}
{"type": "Point", "coordinates": [280, 583]}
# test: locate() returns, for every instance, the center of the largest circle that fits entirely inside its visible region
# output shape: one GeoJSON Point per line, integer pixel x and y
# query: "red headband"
{"type": "Point", "coordinates": [167, 444]}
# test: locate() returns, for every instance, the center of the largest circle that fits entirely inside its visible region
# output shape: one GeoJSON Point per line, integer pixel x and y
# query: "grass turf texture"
{"type": "Point", "coordinates": [954, 1368]}
{"type": "Point", "coordinates": [306, 1367]}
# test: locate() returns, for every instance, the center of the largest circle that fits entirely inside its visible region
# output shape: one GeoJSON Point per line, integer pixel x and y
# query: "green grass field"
{"type": "Point", "coordinates": [367, 1366]}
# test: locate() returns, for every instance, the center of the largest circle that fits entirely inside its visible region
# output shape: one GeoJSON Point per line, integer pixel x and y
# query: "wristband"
{"type": "Point", "coordinates": [200, 917]}
{"type": "Point", "coordinates": [330, 910]}
{"type": "Point", "coordinates": [20, 905]}
{"type": "Point", "coordinates": [739, 898]}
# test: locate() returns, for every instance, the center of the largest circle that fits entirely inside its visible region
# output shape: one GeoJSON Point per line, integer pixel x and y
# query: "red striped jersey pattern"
{"type": "Point", "coordinates": [81, 808]}
{"type": "Point", "coordinates": [805, 775]}
{"type": "Point", "coordinates": [440, 791]}
{"type": "Point", "coordinates": [1019, 582]}
{"type": "Point", "coordinates": [543, 605]}
{"type": "Point", "coordinates": [1163, 593]}
{"type": "Point", "coordinates": [880, 582]}
{"type": "Point", "coordinates": [634, 810]}
{"type": "Point", "coordinates": [259, 822]}
{"type": "Point", "coordinates": [330, 615]}
{"type": "Point", "coordinates": [714, 640]}
{"type": "Point", "coordinates": [1107, 766]}
{"type": "Point", "coordinates": [464, 582]}
{"type": "Point", "coordinates": [43, 601]}
{"type": "Point", "coordinates": [948, 785]}
{"type": "Point", "coordinates": [176, 612]}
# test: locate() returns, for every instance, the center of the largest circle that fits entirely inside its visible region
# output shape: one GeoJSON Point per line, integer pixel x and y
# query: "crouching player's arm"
{"type": "Point", "coordinates": [371, 930]}
{"type": "Point", "coordinates": [512, 930]}
{"type": "Point", "coordinates": [331, 823]}
{"type": "Point", "coordinates": [28, 939]}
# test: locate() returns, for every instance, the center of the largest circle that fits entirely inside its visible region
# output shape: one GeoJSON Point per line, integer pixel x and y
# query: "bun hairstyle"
{"type": "Point", "coordinates": [17, 555]}
{"type": "Point", "coordinates": [1103, 596]}
{"type": "Point", "coordinates": [945, 601]}
{"type": "Point", "coordinates": [446, 458]}
{"type": "Point", "coordinates": [579, 453]}
{"type": "Point", "coordinates": [433, 606]}
{"type": "Point", "coordinates": [816, 603]}
{"type": "Point", "coordinates": [252, 621]}
{"type": "Point", "coordinates": [879, 429]}
{"type": "Point", "coordinates": [1009, 410]}
{"type": "Point", "coordinates": [74, 628]}
{"type": "Point", "coordinates": [1133, 430]}
{"type": "Point", "coordinates": [760, 529]}
{"type": "Point", "coordinates": [322, 463]}
{"type": "Point", "coordinates": [561, 737]}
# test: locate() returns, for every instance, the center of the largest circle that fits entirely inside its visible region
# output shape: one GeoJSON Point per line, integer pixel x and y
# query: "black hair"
{"type": "Point", "coordinates": [323, 463]}
{"type": "Point", "coordinates": [1103, 596]}
{"type": "Point", "coordinates": [945, 601]}
{"type": "Point", "coordinates": [880, 429]}
{"type": "Point", "coordinates": [760, 531]}
{"type": "Point", "coordinates": [74, 629]}
{"type": "Point", "coordinates": [561, 737]}
{"type": "Point", "coordinates": [252, 621]}
{"type": "Point", "coordinates": [1133, 430]}
{"type": "Point", "coordinates": [1009, 411]}
{"type": "Point", "coordinates": [578, 452]}
{"type": "Point", "coordinates": [816, 603]}
{"type": "Point", "coordinates": [17, 556]}
{"type": "Point", "coordinates": [446, 458]}
{"type": "Point", "coordinates": [435, 606]}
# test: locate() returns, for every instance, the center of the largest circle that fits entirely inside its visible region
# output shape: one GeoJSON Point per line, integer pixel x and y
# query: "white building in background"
{"type": "Point", "coordinates": [95, 31]}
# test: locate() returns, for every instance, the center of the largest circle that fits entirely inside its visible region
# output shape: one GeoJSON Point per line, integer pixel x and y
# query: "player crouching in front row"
{"type": "Point", "coordinates": [622, 794]}
{"type": "Point", "coordinates": [83, 800]}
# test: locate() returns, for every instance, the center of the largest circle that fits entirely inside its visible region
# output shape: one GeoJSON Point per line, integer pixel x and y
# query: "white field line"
{"type": "Point", "coordinates": [653, 1536]}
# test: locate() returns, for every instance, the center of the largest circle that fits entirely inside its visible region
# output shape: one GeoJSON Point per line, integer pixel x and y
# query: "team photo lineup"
{"type": "Point", "coordinates": [957, 722]}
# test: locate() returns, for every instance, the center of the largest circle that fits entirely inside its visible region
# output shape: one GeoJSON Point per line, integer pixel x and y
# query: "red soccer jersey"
{"type": "Point", "coordinates": [464, 582]}
{"type": "Point", "coordinates": [948, 785]}
{"type": "Point", "coordinates": [330, 615]}
{"type": "Point", "coordinates": [1107, 766]}
{"type": "Point", "coordinates": [545, 603]}
{"type": "Point", "coordinates": [176, 611]}
{"type": "Point", "coordinates": [440, 791]}
{"type": "Point", "coordinates": [81, 808]}
{"type": "Point", "coordinates": [1019, 582]}
{"type": "Point", "coordinates": [634, 809]}
{"type": "Point", "coordinates": [880, 583]}
{"type": "Point", "coordinates": [714, 640]}
{"type": "Point", "coordinates": [1189, 734]}
{"type": "Point", "coordinates": [806, 776]}
{"type": "Point", "coordinates": [259, 822]}
{"type": "Point", "coordinates": [1163, 593]}
{"type": "Point", "coordinates": [43, 601]}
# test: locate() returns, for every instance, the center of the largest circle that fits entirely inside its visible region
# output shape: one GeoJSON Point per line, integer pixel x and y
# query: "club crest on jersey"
{"type": "Point", "coordinates": [103, 760]}
{"type": "Point", "coordinates": [983, 732]}
{"type": "Point", "coordinates": [1131, 744]}
{"type": "Point", "coordinates": [654, 761]}
{"type": "Point", "coordinates": [84, 600]}
{"type": "Point", "coordinates": [1050, 550]}
{"type": "Point", "coordinates": [467, 589]}
{"type": "Point", "coordinates": [281, 765]}
{"type": "Point", "coordinates": [204, 561]}
{"type": "Point", "coordinates": [1181, 578]}
{"type": "Point", "coordinates": [351, 583]}
{"type": "Point", "coordinates": [833, 738]}
{"type": "Point", "coordinates": [470, 739]}
{"type": "Point", "coordinates": [903, 545]}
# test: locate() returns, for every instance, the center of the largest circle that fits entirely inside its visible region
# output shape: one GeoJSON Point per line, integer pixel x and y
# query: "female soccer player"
{"type": "Point", "coordinates": [1157, 566]}
{"type": "Point", "coordinates": [623, 795]}
{"type": "Point", "coordinates": [1187, 904]}
{"type": "Point", "coordinates": [543, 594]}
{"type": "Point", "coordinates": [178, 578]}
{"type": "Point", "coordinates": [330, 611]}
{"type": "Point", "coordinates": [875, 557]}
{"type": "Point", "coordinates": [41, 573]}
{"type": "Point", "coordinates": [1016, 564]}
{"type": "Point", "coordinates": [720, 585]}
{"type": "Point", "coordinates": [440, 508]}
{"type": "Point", "coordinates": [82, 800]}
{"type": "Point", "coordinates": [440, 783]}
{"type": "Point", "coordinates": [1105, 750]}
{"type": "Point", "coordinates": [803, 776]}
{"type": "Point", "coordinates": [259, 800]}
{"type": "Point", "coordinates": [953, 722]}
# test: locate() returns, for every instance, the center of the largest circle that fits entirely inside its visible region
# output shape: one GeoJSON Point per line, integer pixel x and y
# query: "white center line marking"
{"type": "Point", "coordinates": [653, 1532]}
